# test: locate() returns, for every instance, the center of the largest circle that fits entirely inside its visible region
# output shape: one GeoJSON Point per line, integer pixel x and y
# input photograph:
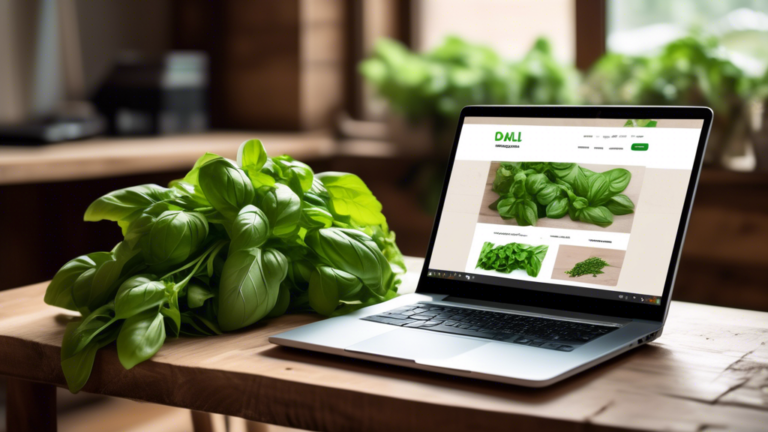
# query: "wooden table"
{"type": "Point", "coordinates": [109, 157]}
{"type": "Point", "coordinates": [708, 371]}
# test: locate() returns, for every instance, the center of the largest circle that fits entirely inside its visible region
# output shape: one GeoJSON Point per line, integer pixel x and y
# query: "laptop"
{"type": "Point", "coordinates": [554, 248]}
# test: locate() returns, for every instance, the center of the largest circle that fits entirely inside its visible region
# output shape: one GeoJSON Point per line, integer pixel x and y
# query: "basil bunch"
{"type": "Point", "coordinates": [220, 249]}
{"type": "Point", "coordinates": [533, 190]}
{"type": "Point", "coordinates": [512, 256]}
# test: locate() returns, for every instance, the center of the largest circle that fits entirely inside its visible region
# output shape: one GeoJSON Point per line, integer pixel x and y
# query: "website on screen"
{"type": "Point", "coordinates": [579, 206]}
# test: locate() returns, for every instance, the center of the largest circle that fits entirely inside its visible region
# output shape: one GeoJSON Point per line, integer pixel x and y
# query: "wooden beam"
{"type": "Point", "coordinates": [31, 406]}
{"type": "Point", "coordinates": [590, 32]}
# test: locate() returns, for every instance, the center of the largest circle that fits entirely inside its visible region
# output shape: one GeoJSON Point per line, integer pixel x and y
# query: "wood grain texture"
{"type": "Point", "coordinates": [622, 224]}
{"type": "Point", "coordinates": [109, 157]}
{"type": "Point", "coordinates": [708, 370]}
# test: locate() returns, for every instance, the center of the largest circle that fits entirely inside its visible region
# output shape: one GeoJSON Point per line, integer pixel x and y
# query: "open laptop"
{"type": "Point", "coordinates": [519, 290]}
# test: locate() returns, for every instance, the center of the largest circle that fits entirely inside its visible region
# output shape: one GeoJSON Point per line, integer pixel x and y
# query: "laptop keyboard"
{"type": "Point", "coordinates": [527, 330]}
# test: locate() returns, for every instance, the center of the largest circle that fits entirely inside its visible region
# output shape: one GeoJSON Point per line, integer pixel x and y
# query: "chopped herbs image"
{"type": "Point", "coordinates": [529, 191]}
{"type": "Point", "coordinates": [593, 266]}
{"type": "Point", "coordinates": [512, 256]}
{"type": "Point", "coordinates": [228, 245]}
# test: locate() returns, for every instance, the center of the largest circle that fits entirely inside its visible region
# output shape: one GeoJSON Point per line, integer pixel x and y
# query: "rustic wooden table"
{"type": "Point", "coordinates": [708, 371]}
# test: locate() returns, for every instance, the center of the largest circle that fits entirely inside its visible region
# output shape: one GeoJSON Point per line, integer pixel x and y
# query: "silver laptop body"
{"type": "Point", "coordinates": [467, 320]}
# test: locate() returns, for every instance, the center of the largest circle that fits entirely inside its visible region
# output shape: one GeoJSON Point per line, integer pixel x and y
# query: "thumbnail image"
{"type": "Point", "coordinates": [512, 256]}
{"type": "Point", "coordinates": [562, 195]}
{"type": "Point", "coordinates": [588, 265]}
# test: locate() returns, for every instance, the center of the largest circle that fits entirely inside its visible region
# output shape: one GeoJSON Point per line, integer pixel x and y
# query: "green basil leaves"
{"type": "Point", "coordinates": [228, 245]}
{"type": "Point", "coordinates": [532, 190]}
{"type": "Point", "coordinates": [250, 284]}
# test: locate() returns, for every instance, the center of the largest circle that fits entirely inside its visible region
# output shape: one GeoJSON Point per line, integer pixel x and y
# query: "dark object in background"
{"type": "Point", "coordinates": [51, 130]}
{"type": "Point", "coordinates": [150, 98]}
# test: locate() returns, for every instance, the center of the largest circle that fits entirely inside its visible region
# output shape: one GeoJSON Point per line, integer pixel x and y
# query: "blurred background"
{"type": "Point", "coordinates": [97, 95]}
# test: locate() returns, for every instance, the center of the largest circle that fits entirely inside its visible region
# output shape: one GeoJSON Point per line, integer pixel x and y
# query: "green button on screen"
{"type": "Point", "coordinates": [639, 147]}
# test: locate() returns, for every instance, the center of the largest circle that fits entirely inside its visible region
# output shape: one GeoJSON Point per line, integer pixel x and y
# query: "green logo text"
{"type": "Point", "coordinates": [509, 136]}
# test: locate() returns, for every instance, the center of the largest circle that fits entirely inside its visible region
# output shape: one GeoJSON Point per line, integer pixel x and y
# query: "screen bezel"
{"type": "Point", "coordinates": [521, 296]}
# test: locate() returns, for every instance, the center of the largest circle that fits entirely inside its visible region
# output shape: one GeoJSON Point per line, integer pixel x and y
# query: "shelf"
{"type": "Point", "coordinates": [110, 157]}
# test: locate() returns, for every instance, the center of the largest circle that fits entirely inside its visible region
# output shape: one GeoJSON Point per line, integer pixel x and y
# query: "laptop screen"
{"type": "Point", "coordinates": [586, 207]}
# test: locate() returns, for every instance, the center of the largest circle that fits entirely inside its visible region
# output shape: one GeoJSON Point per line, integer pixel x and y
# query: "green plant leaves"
{"type": "Point", "coordinates": [250, 284]}
{"type": "Point", "coordinates": [249, 229]}
{"type": "Point", "coordinates": [137, 294]}
{"type": "Point", "coordinates": [59, 291]}
{"type": "Point", "coordinates": [282, 207]}
{"type": "Point", "coordinates": [226, 186]}
{"type": "Point", "coordinates": [328, 285]}
{"type": "Point", "coordinates": [174, 236]}
{"type": "Point", "coordinates": [298, 176]}
{"type": "Point", "coordinates": [353, 252]}
{"type": "Point", "coordinates": [77, 358]}
{"type": "Point", "coordinates": [121, 204]}
{"type": "Point", "coordinates": [532, 190]}
{"type": "Point", "coordinates": [512, 256]}
{"type": "Point", "coordinates": [225, 247]}
{"type": "Point", "coordinates": [141, 337]}
{"type": "Point", "coordinates": [197, 294]}
{"type": "Point", "coordinates": [252, 156]}
{"type": "Point", "coordinates": [351, 197]}
{"type": "Point", "coordinates": [620, 205]}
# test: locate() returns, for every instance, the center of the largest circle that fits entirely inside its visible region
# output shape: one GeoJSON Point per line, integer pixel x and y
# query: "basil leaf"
{"type": "Point", "coordinates": [534, 183]}
{"type": "Point", "coordinates": [141, 337]}
{"type": "Point", "coordinates": [123, 203]}
{"type": "Point", "coordinates": [599, 216]}
{"type": "Point", "coordinates": [59, 292]}
{"type": "Point", "coordinates": [283, 300]}
{"type": "Point", "coordinates": [197, 294]}
{"type": "Point", "coordinates": [599, 190]}
{"type": "Point", "coordinates": [175, 235]}
{"type": "Point", "coordinates": [250, 284]}
{"type": "Point", "coordinates": [353, 252]}
{"type": "Point", "coordinates": [557, 208]}
{"type": "Point", "coordinates": [620, 205]}
{"type": "Point", "coordinates": [249, 229]}
{"type": "Point", "coordinates": [299, 176]}
{"type": "Point", "coordinates": [190, 184]}
{"type": "Point", "coordinates": [86, 330]}
{"type": "Point", "coordinates": [283, 209]}
{"type": "Point", "coordinates": [506, 208]}
{"type": "Point", "coordinates": [351, 197]}
{"type": "Point", "coordinates": [77, 367]}
{"type": "Point", "coordinates": [138, 294]}
{"type": "Point", "coordinates": [226, 186]}
{"type": "Point", "coordinates": [328, 285]}
{"type": "Point", "coordinates": [251, 155]}
{"type": "Point", "coordinates": [526, 213]}
{"type": "Point", "coordinates": [96, 286]}
{"type": "Point", "coordinates": [315, 217]}
{"type": "Point", "coordinates": [618, 179]}
{"type": "Point", "coordinates": [547, 193]}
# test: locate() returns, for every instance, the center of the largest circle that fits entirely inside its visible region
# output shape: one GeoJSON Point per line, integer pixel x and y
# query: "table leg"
{"type": "Point", "coordinates": [30, 406]}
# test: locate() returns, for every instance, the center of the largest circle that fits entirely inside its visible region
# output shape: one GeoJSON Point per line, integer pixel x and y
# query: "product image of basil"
{"type": "Point", "coordinates": [228, 245]}
{"type": "Point", "coordinates": [529, 191]}
{"type": "Point", "coordinates": [593, 266]}
{"type": "Point", "coordinates": [512, 256]}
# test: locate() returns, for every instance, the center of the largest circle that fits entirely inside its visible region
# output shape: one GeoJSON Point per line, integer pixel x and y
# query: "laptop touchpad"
{"type": "Point", "coordinates": [415, 345]}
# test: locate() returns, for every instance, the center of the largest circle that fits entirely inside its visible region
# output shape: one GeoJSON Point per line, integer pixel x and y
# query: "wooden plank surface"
{"type": "Point", "coordinates": [708, 371]}
{"type": "Point", "coordinates": [109, 157]}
